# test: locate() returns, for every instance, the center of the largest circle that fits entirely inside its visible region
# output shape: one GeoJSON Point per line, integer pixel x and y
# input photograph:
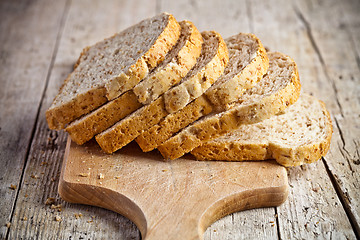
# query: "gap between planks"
{"type": "Point", "coordinates": [56, 47]}
{"type": "Point", "coordinates": [338, 184]}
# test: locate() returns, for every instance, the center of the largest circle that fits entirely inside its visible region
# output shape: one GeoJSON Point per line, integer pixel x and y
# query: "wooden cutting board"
{"type": "Point", "coordinates": [168, 199]}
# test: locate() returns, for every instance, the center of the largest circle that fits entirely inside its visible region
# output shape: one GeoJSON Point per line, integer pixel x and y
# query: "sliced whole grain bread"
{"type": "Point", "coordinates": [202, 76]}
{"type": "Point", "coordinates": [188, 47]}
{"type": "Point", "coordinates": [85, 128]}
{"type": "Point", "coordinates": [113, 66]}
{"type": "Point", "coordinates": [133, 125]}
{"type": "Point", "coordinates": [174, 122]}
{"type": "Point", "coordinates": [299, 135]}
{"type": "Point", "coordinates": [278, 89]}
{"type": "Point", "coordinates": [247, 62]}
{"type": "Point", "coordinates": [248, 67]}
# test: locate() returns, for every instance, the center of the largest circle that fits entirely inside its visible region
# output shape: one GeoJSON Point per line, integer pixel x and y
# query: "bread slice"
{"type": "Point", "coordinates": [172, 123]}
{"type": "Point", "coordinates": [301, 134]}
{"type": "Point", "coordinates": [248, 67]}
{"type": "Point", "coordinates": [130, 127]}
{"type": "Point", "coordinates": [279, 88]}
{"type": "Point", "coordinates": [188, 47]}
{"type": "Point", "coordinates": [210, 66]}
{"type": "Point", "coordinates": [246, 53]}
{"type": "Point", "coordinates": [86, 127]}
{"type": "Point", "coordinates": [113, 66]}
{"type": "Point", "coordinates": [157, 84]}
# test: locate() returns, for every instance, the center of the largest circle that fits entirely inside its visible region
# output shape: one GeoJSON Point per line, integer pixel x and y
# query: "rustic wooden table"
{"type": "Point", "coordinates": [39, 43]}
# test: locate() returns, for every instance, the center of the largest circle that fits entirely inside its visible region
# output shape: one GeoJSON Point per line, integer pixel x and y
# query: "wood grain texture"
{"type": "Point", "coordinates": [28, 33]}
{"type": "Point", "coordinates": [168, 199]}
{"type": "Point", "coordinates": [86, 23]}
{"type": "Point", "coordinates": [226, 17]}
{"type": "Point", "coordinates": [322, 36]}
{"type": "Point", "coordinates": [276, 26]}
{"type": "Point", "coordinates": [339, 57]}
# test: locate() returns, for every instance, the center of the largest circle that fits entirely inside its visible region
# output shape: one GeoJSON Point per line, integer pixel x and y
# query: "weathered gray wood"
{"type": "Point", "coordinates": [226, 17]}
{"type": "Point", "coordinates": [87, 22]}
{"type": "Point", "coordinates": [332, 25]}
{"type": "Point", "coordinates": [28, 32]}
{"type": "Point", "coordinates": [322, 36]}
{"type": "Point", "coordinates": [313, 210]}
{"type": "Point", "coordinates": [252, 224]}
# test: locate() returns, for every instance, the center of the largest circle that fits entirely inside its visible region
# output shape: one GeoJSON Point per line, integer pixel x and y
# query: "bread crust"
{"type": "Point", "coordinates": [307, 153]}
{"type": "Point", "coordinates": [59, 116]}
{"type": "Point", "coordinates": [153, 57]}
{"type": "Point", "coordinates": [82, 130]}
{"type": "Point", "coordinates": [217, 125]}
{"type": "Point", "coordinates": [286, 156]}
{"type": "Point", "coordinates": [224, 95]}
{"type": "Point", "coordinates": [132, 126]}
{"type": "Point", "coordinates": [179, 96]}
{"type": "Point", "coordinates": [179, 101]}
{"type": "Point", "coordinates": [172, 123]}
{"type": "Point", "coordinates": [85, 128]}
{"type": "Point", "coordinates": [151, 88]}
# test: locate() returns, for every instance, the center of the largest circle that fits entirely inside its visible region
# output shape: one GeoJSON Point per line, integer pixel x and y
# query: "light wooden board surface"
{"type": "Point", "coordinates": [40, 41]}
{"type": "Point", "coordinates": [168, 199]}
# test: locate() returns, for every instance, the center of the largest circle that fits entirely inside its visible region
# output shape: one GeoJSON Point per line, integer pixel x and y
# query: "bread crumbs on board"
{"type": "Point", "coordinates": [34, 176]}
{"type": "Point", "coordinates": [50, 201]}
{"type": "Point", "coordinates": [57, 207]}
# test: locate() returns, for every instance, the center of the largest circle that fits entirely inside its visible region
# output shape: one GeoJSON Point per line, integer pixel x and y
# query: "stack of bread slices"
{"type": "Point", "coordinates": [168, 86]}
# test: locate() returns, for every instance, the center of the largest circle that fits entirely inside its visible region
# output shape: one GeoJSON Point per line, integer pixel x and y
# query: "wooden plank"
{"type": "Point", "coordinates": [168, 200]}
{"type": "Point", "coordinates": [228, 18]}
{"type": "Point", "coordinates": [252, 224]}
{"type": "Point", "coordinates": [86, 23]}
{"type": "Point", "coordinates": [334, 35]}
{"type": "Point", "coordinates": [306, 214]}
{"type": "Point", "coordinates": [283, 30]}
{"type": "Point", "coordinates": [27, 44]}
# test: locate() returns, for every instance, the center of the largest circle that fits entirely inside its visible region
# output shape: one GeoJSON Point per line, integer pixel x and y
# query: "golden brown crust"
{"type": "Point", "coordinates": [151, 88]}
{"type": "Point", "coordinates": [307, 153]}
{"type": "Point", "coordinates": [179, 96]}
{"type": "Point", "coordinates": [85, 128]}
{"type": "Point", "coordinates": [160, 132]}
{"type": "Point", "coordinates": [189, 113]}
{"type": "Point", "coordinates": [222, 96]}
{"type": "Point", "coordinates": [286, 156]}
{"type": "Point", "coordinates": [154, 56]}
{"type": "Point", "coordinates": [130, 127]}
{"type": "Point", "coordinates": [107, 115]}
{"type": "Point", "coordinates": [58, 117]}
{"type": "Point", "coordinates": [212, 150]}
{"type": "Point", "coordinates": [218, 125]}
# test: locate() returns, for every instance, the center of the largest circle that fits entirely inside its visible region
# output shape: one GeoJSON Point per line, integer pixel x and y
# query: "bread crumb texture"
{"type": "Point", "coordinates": [111, 67]}
{"type": "Point", "coordinates": [272, 94]}
{"type": "Point", "coordinates": [299, 135]}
